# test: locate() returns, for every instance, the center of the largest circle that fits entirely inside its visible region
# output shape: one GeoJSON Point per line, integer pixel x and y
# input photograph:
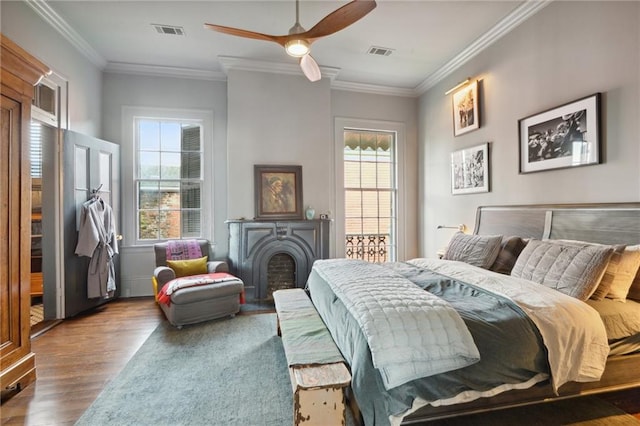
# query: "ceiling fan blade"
{"type": "Point", "coordinates": [340, 18]}
{"type": "Point", "coordinates": [310, 68]}
{"type": "Point", "coordinates": [281, 40]}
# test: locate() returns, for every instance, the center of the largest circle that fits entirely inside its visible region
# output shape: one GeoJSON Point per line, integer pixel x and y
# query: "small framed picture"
{"type": "Point", "coordinates": [565, 136]}
{"type": "Point", "coordinates": [470, 170]}
{"type": "Point", "coordinates": [278, 192]}
{"type": "Point", "coordinates": [466, 113]}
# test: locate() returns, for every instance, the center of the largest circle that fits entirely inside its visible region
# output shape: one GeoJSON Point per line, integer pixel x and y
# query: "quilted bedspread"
{"type": "Point", "coordinates": [573, 332]}
{"type": "Point", "coordinates": [411, 333]}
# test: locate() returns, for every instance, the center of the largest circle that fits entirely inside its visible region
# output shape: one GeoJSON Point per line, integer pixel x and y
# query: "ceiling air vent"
{"type": "Point", "coordinates": [379, 51]}
{"type": "Point", "coordinates": [168, 29]}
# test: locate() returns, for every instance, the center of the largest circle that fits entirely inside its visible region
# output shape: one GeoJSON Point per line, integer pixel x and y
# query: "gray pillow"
{"type": "Point", "coordinates": [570, 268]}
{"type": "Point", "coordinates": [477, 250]}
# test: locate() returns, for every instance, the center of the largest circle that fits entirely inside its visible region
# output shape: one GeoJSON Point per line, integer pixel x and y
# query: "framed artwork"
{"type": "Point", "coordinates": [470, 170]}
{"type": "Point", "coordinates": [466, 114]}
{"type": "Point", "coordinates": [278, 192]}
{"type": "Point", "coordinates": [565, 136]}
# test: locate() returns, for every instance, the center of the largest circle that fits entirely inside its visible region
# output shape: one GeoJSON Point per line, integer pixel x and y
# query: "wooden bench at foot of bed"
{"type": "Point", "coordinates": [318, 373]}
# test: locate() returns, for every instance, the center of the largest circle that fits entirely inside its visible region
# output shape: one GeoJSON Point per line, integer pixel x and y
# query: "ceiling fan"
{"type": "Point", "coordinates": [297, 43]}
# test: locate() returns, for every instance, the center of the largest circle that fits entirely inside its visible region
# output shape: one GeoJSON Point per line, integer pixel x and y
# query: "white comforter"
{"type": "Point", "coordinates": [572, 331]}
{"type": "Point", "coordinates": [411, 333]}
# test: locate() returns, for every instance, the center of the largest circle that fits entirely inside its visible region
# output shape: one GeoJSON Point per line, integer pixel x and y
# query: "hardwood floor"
{"type": "Point", "coordinates": [75, 359]}
{"type": "Point", "coordinates": [628, 401]}
{"type": "Point", "coordinates": [78, 357]}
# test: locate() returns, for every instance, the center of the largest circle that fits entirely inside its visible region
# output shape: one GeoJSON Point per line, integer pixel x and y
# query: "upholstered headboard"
{"type": "Point", "coordinates": [606, 223]}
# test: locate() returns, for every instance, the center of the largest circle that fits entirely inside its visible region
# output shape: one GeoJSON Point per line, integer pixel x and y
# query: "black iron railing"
{"type": "Point", "coordinates": [372, 247]}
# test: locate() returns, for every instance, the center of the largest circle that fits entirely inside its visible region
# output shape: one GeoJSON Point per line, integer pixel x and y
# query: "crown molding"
{"type": "Point", "coordinates": [373, 88]}
{"type": "Point", "coordinates": [51, 17]}
{"type": "Point", "coordinates": [162, 71]}
{"type": "Point", "coordinates": [508, 23]}
{"type": "Point", "coordinates": [245, 64]}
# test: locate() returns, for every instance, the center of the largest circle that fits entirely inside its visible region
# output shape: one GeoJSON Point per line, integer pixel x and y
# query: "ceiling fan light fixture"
{"type": "Point", "coordinates": [297, 48]}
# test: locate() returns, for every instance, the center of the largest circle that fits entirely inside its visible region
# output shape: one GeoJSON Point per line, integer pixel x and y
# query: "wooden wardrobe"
{"type": "Point", "coordinates": [20, 72]}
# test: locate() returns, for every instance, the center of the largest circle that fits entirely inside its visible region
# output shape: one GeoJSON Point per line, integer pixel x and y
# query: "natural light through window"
{"type": "Point", "coordinates": [169, 179]}
{"type": "Point", "coordinates": [370, 195]}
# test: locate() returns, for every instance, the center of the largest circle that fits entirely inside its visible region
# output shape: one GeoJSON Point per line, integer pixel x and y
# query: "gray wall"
{"type": "Point", "coordinates": [282, 120]}
{"type": "Point", "coordinates": [122, 90]}
{"type": "Point", "coordinates": [567, 51]}
{"type": "Point", "coordinates": [172, 93]}
{"type": "Point", "coordinates": [259, 118]}
{"type": "Point", "coordinates": [292, 122]}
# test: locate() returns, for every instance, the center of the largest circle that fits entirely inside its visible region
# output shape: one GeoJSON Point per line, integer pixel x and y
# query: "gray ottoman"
{"type": "Point", "coordinates": [205, 302]}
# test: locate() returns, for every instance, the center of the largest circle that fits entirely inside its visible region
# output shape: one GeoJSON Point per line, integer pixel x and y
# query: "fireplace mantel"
{"type": "Point", "coordinates": [252, 243]}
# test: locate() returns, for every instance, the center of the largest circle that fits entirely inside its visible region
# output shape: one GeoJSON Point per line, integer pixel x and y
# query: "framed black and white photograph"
{"type": "Point", "coordinates": [470, 170]}
{"type": "Point", "coordinates": [466, 114]}
{"type": "Point", "coordinates": [565, 136]}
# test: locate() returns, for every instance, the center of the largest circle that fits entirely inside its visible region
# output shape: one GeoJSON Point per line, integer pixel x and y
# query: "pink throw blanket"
{"type": "Point", "coordinates": [183, 250]}
{"type": "Point", "coordinates": [164, 296]}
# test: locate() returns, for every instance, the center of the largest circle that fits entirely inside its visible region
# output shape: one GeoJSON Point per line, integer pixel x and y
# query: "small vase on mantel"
{"type": "Point", "coordinates": [310, 213]}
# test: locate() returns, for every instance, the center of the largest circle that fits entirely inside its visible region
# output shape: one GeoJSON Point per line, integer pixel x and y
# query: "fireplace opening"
{"type": "Point", "coordinates": [281, 273]}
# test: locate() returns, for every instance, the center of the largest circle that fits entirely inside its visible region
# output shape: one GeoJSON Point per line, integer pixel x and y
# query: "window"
{"type": "Point", "coordinates": [50, 101]}
{"type": "Point", "coordinates": [169, 178]}
{"type": "Point", "coordinates": [370, 195]}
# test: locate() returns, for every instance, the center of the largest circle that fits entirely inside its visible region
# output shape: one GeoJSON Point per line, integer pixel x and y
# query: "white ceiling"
{"type": "Point", "coordinates": [429, 38]}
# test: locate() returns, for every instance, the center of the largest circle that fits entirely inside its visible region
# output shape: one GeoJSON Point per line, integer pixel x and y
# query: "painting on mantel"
{"type": "Point", "coordinates": [278, 192]}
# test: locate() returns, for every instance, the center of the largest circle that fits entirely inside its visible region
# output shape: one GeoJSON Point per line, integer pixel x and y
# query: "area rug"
{"type": "Point", "coordinates": [226, 372]}
{"type": "Point", "coordinates": [233, 372]}
{"type": "Point", "coordinates": [257, 306]}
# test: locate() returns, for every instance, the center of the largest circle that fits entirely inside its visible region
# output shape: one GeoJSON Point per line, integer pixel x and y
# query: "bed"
{"type": "Point", "coordinates": [529, 342]}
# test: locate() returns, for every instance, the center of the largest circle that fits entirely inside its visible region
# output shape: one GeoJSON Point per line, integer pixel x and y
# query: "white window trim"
{"type": "Point", "coordinates": [60, 118]}
{"type": "Point", "coordinates": [129, 165]}
{"type": "Point", "coordinates": [338, 176]}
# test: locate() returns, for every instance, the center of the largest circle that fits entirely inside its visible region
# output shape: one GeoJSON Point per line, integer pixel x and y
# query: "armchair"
{"type": "Point", "coordinates": [205, 290]}
{"type": "Point", "coordinates": [162, 274]}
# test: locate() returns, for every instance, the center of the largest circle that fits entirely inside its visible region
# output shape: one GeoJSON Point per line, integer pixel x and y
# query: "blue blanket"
{"type": "Point", "coordinates": [511, 349]}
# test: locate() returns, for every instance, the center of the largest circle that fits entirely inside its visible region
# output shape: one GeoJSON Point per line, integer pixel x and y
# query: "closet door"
{"type": "Point", "coordinates": [88, 164]}
{"type": "Point", "coordinates": [20, 71]}
{"type": "Point", "coordinates": [14, 285]}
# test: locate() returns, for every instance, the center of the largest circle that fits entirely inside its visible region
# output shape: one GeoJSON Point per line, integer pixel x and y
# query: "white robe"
{"type": "Point", "coordinates": [97, 240]}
